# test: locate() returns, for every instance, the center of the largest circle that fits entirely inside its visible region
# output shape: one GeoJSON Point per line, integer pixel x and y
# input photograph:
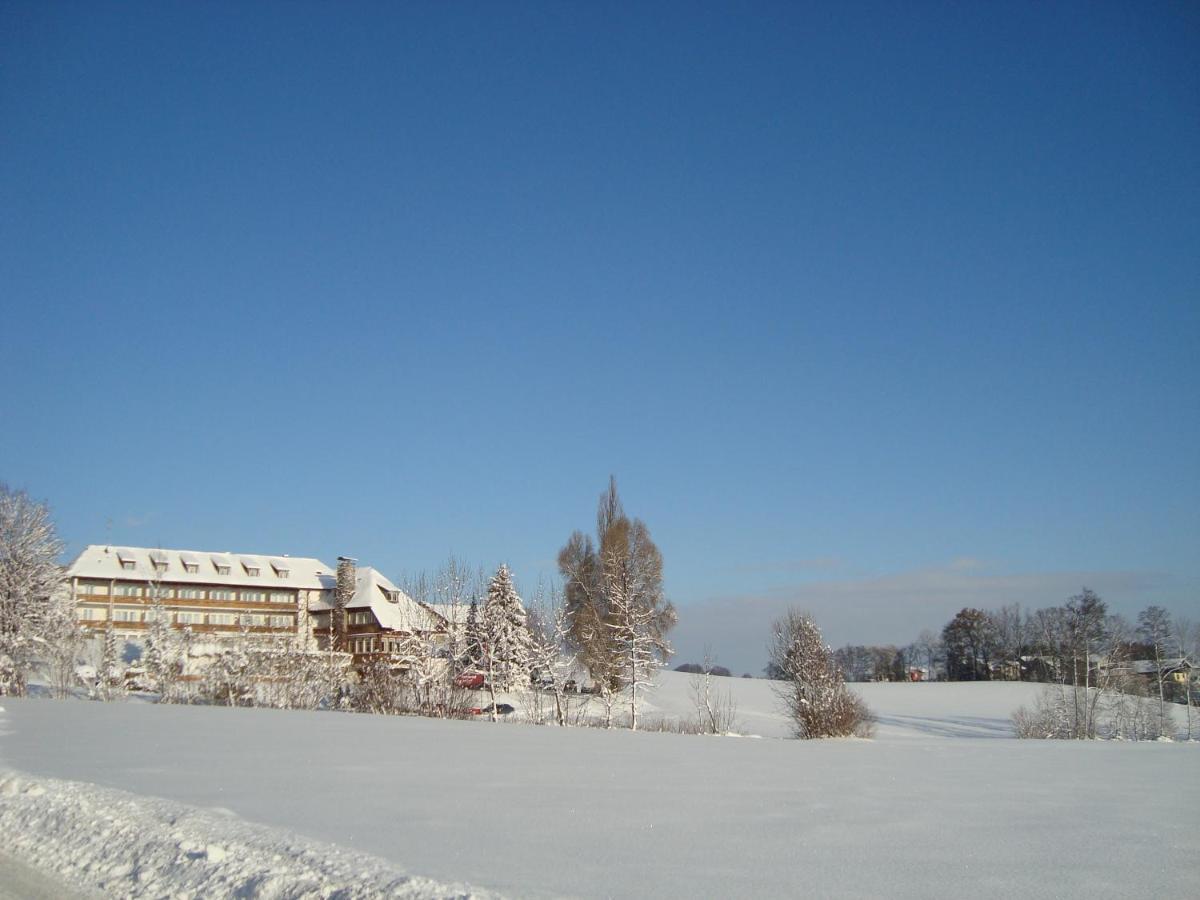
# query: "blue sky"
{"type": "Point", "coordinates": [882, 311]}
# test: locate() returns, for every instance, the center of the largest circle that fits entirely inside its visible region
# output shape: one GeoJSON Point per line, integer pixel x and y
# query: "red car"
{"type": "Point", "coordinates": [472, 680]}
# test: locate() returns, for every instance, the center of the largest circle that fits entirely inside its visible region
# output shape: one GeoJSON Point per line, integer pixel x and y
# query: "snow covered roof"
{"type": "Point", "coordinates": [1171, 664]}
{"type": "Point", "coordinates": [393, 608]}
{"type": "Point", "coordinates": [99, 561]}
{"type": "Point", "coordinates": [454, 614]}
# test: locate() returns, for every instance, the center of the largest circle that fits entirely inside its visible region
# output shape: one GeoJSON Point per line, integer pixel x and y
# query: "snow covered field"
{"type": "Point", "coordinates": [940, 803]}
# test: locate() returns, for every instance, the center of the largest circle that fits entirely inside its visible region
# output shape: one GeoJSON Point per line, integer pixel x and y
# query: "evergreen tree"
{"type": "Point", "coordinates": [506, 633]}
{"type": "Point", "coordinates": [110, 679]}
{"type": "Point", "coordinates": [472, 659]}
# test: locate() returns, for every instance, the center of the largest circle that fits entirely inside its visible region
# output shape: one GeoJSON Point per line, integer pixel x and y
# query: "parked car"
{"type": "Point", "coordinates": [502, 709]}
{"type": "Point", "coordinates": [472, 680]}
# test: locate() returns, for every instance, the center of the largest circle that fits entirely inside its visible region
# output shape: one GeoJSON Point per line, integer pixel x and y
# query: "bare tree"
{"type": "Point", "coordinates": [61, 641]}
{"type": "Point", "coordinates": [716, 711]}
{"type": "Point", "coordinates": [1155, 629]}
{"type": "Point", "coordinates": [618, 617]}
{"type": "Point", "coordinates": [29, 578]}
{"type": "Point", "coordinates": [928, 645]}
{"type": "Point", "coordinates": [813, 690]}
{"type": "Point", "coordinates": [1186, 635]}
{"type": "Point", "coordinates": [1009, 630]}
{"type": "Point", "coordinates": [551, 661]}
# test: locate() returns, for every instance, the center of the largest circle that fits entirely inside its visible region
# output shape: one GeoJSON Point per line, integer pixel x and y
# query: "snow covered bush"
{"type": "Point", "coordinates": [1121, 713]}
{"type": "Point", "coordinates": [811, 685]}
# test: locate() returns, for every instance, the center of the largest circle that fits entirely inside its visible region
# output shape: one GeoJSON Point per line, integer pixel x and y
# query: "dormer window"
{"type": "Point", "coordinates": [281, 568]}
{"type": "Point", "coordinates": [252, 566]}
{"type": "Point", "coordinates": [191, 564]}
{"type": "Point", "coordinates": [159, 560]}
{"type": "Point", "coordinates": [191, 568]}
{"type": "Point", "coordinates": [221, 565]}
{"type": "Point", "coordinates": [127, 560]}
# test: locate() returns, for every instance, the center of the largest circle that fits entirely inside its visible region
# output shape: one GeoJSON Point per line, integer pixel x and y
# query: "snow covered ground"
{"type": "Point", "coordinates": [940, 803]}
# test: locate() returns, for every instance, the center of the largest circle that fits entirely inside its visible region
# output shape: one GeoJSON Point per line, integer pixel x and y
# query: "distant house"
{"type": "Point", "coordinates": [1179, 669]}
{"type": "Point", "coordinates": [1006, 670]}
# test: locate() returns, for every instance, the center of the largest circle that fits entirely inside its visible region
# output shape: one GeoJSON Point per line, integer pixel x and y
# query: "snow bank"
{"type": "Point", "coordinates": [102, 840]}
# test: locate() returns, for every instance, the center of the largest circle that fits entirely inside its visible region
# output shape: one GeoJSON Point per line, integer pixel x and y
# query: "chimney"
{"type": "Point", "coordinates": [347, 572]}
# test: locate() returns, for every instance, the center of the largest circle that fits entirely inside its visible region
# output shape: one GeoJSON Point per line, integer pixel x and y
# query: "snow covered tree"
{"type": "Point", "coordinates": [506, 637]}
{"type": "Point", "coordinates": [61, 641]}
{"type": "Point", "coordinates": [638, 618]}
{"type": "Point", "coordinates": [161, 657]}
{"type": "Point", "coordinates": [550, 660]}
{"type": "Point", "coordinates": [812, 688]}
{"type": "Point", "coordinates": [30, 578]}
{"type": "Point", "coordinates": [450, 637]}
{"type": "Point", "coordinates": [110, 674]}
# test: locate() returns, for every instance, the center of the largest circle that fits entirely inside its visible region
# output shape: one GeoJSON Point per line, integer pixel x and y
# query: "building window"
{"type": "Point", "coordinates": [191, 568]}
{"type": "Point", "coordinates": [254, 596]}
{"type": "Point", "coordinates": [281, 597]}
{"type": "Point", "coordinates": [189, 593]}
{"type": "Point", "coordinates": [127, 590]}
{"type": "Point", "coordinates": [189, 618]}
{"type": "Point", "coordinates": [361, 618]}
{"type": "Point", "coordinates": [86, 613]}
{"type": "Point", "coordinates": [127, 615]}
{"type": "Point", "coordinates": [128, 565]}
{"type": "Point", "coordinates": [220, 618]}
{"type": "Point", "coordinates": [282, 621]}
{"type": "Point", "coordinates": [220, 594]}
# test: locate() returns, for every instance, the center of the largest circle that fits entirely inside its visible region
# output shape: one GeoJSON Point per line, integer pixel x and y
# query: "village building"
{"type": "Point", "coordinates": [377, 617]}
{"type": "Point", "coordinates": [214, 596]}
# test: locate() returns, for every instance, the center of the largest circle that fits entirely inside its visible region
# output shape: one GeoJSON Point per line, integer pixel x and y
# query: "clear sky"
{"type": "Point", "coordinates": [883, 311]}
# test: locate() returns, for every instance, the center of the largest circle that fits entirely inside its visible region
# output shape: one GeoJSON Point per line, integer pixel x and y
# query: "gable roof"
{"type": "Point", "coordinates": [393, 608]}
{"type": "Point", "coordinates": [100, 561]}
